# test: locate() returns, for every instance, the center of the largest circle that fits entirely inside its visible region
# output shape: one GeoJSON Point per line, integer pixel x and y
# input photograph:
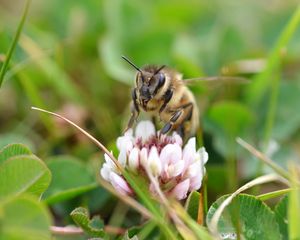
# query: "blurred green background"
{"type": "Point", "coordinates": [68, 60]}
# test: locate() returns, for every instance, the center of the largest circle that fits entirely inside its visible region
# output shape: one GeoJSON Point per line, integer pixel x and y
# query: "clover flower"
{"type": "Point", "coordinates": [177, 169]}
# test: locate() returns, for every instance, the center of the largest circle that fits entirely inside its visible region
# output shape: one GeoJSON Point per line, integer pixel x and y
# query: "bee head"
{"type": "Point", "coordinates": [148, 84]}
{"type": "Point", "coordinates": [148, 81]}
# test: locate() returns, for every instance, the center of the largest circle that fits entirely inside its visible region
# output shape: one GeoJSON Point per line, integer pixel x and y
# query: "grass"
{"type": "Point", "coordinates": [14, 43]}
{"type": "Point", "coordinates": [68, 58]}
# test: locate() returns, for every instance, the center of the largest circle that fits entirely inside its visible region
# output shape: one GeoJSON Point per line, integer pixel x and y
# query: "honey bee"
{"type": "Point", "coordinates": [161, 92]}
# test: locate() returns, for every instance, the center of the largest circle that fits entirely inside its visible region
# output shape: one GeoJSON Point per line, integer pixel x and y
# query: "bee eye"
{"type": "Point", "coordinates": [161, 82]}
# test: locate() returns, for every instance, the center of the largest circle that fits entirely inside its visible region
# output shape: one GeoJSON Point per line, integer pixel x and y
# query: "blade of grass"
{"type": "Point", "coordinates": [270, 78]}
{"type": "Point", "coordinates": [128, 200]}
{"type": "Point", "coordinates": [274, 194]}
{"type": "Point", "coordinates": [197, 229]}
{"type": "Point", "coordinates": [263, 80]}
{"type": "Point", "coordinates": [57, 77]}
{"type": "Point", "coordinates": [294, 204]}
{"type": "Point", "coordinates": [118, 215]}
{"type": "Point", "coordinates": [181, 227]}
{"type": "Point", "coordinates": [271, 110]}
{"type": "Point", "coordinates": [148, 201]}
{"type": "Point", "coordinates": [146, 230]}
{"type": "Point", "coordinates": [32, 93]}
{"type": "Point", "coordinates": [14, 42]}
{"type": "Point", "coordinates": [264, 158]}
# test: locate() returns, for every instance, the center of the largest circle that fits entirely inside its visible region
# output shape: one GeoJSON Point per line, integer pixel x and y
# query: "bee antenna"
{"type": "Point", "coordinates": [132, 64]}
{"type": "Point", "coordinates": [158, 70]}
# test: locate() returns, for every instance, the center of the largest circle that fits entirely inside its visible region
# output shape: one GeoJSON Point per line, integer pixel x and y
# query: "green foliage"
{"type": "Point", "coordinates": [24, 178]}
{"type": "Point", "coordinates": [192, 204]}
{"type": "Point", "coordinates": [140, 187]}
{"type": "Point", "coordinates": [70, 178]}
{"type": "Point", "coordinates": [24, 217]}
{"type": "Point", "coordinates": [67, 58]}
{"type": "Point", "coordinates": [294, 204]}
{"type": "Point", "coordinates": [282, 217]}
{"type": "Point", "coordinates": [227, 120]}
{"type": "Point", "coordinates": [92, 227]}
{"type": "Point", "coordinates": [247, 216]}
{"type": "Point", "coordinates": [14, 43]}
{"type": "Point", "coordinates": [22, 173]}
{"type": "Point", "coordinates": [13, 150]}
{"type": "Point", "coordinates": [288, 100]}
{"type": "Point", "coordinates": [264, 80]}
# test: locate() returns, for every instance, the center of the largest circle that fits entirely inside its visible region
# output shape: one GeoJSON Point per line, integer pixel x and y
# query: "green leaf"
{"type": "Point", "coordinates": [281, 217]}
{"type": "Point", "coordinates": [24, 217]}
{"type": "Point", "coordinates": [93, 228]}
{"type": "Point", "coordinates": [12, 137]}
{"type": "Point", "coordinates": [70, 178]}
{"type": "Point", "coordinates": [13, 150]}
{"type": "Point", "coordinates": [192, 204]}
{"type": "Point", "coordinates": [252, 217]}
{"type": "Point", "coordinates": [24, 173]}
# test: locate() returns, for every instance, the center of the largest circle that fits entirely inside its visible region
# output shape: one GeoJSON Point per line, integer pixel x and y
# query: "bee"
{"type": "Point", "coordinates": [161, 92]}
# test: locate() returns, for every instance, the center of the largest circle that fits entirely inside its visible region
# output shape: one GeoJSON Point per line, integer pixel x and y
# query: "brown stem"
{"type": "Point", "coordinates": [70, 230]}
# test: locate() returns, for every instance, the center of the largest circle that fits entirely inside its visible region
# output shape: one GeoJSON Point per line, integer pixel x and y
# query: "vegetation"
{"type": "Point", "coordinates": [65, 57]}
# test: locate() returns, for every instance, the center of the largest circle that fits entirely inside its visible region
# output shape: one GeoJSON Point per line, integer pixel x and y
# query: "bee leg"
{"type": "Point", "coordinates": [180, 130]}
{"type": "Point", "coordinates": [167, 97]}
{"type": "Point", "coordinates": [134, 110]}
{"type": "Point", "coordinates": [190, 112]}
{"type": "Point", "coordinates": [170, 124]}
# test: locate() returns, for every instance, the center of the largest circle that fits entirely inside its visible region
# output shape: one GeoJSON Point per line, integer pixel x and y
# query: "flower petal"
{"type": "Point", "coordinates": [171, 153]}
{"type": "Point", "coordinates": [195, 169]}
{"type": "Point", "coordinates": [105, 171]}
{"type": "Point", "coordinates": [144, 157]}
{"type": "Point", "coordinates": [177, 138]}
{"type": "Point", "coordinates": [133, 159]}
{"type": "Point", "coordinates": [122, 157]}
{"type": "Point", "coordinates": [154, 162]}
{"type": "Point", "coordinates": [125, 142]}
{"type": "Point", "coordinates": [195, 183]}
{"type": "Point", "coordinates": [129, 132]}
{"type": "Point", "coordinates": [110, 162]}
{"type": "Point", "coordinates": [120, 184]}
{"type": "Point", "coordinates": [175, 169]}
{"type": "Point", "coordinates": [203, 155]}
{"type": "Point", "coordinates": [144, 130]}
{"type": "Point", "coordinates": [189, 152]}
{"type": "Point", "coordinates": [181, 189]}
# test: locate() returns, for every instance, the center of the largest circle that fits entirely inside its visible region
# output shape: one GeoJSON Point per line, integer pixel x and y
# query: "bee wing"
{"type": "Point", "coordinates": [216, 80]}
